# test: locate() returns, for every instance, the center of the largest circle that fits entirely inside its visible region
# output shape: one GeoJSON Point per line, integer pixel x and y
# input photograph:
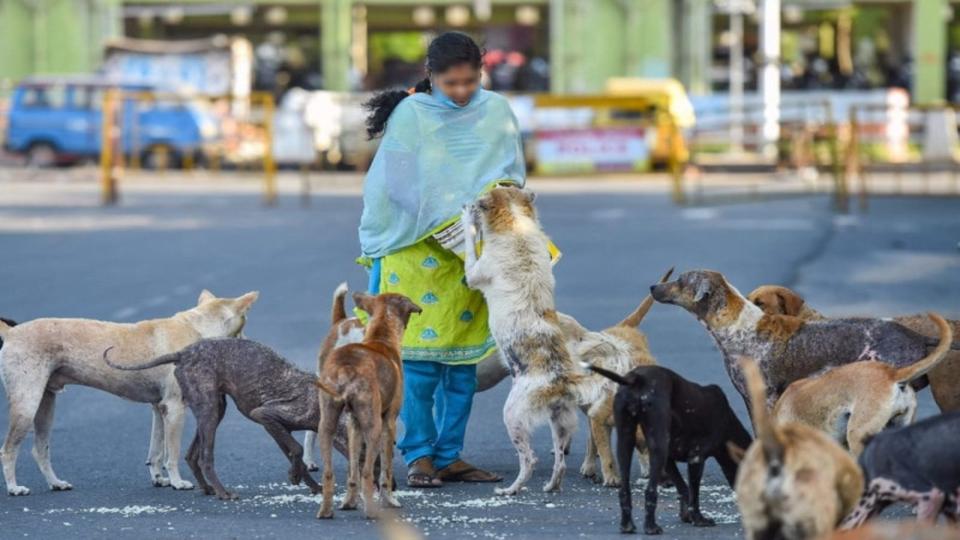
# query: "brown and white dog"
{"type": "Point", "coordinates": [535, 340]}
{"type": "Point", "coordinates": [366, 380]}
{"type": "Point", "coordinates": [786, 348]}
{"type": "Point", "coordinates": [794, 482]}
{"type": "Point", "coordinates": [343, 330]}
{"type": "Point", "coordinates": [944, 378]}
{"type": "Point", "coordinates": [854, 402]}
{"type": "Point", "coordinates": [42, 356]}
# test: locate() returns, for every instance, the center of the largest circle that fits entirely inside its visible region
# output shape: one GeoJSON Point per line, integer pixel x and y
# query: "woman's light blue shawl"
{"type": "Point", "coordinates": [434, 158]}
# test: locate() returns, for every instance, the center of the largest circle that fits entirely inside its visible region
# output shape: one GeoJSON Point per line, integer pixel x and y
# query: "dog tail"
{"type": "Point", "coordinates": [762, 423]}
{"type": "Point", "coordinates": [633, 319]}
{"type": "Point", "coordinates": [171, 358]}
{"type": "Point", "coordinates": [339, 310]}
{"type": "Point", "coordinates": [327, 389]}
{"type": "Point", "coordinates": [921, 367]}
{"type": "Point", "coordinates": [615, 377]}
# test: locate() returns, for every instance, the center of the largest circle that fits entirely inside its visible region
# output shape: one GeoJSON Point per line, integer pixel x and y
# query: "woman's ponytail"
{"type": "Point", "coordinates": [382, 104]}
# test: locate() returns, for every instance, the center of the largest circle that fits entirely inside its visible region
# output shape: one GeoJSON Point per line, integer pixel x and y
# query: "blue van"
{"type": "Point", "coordinates": [58, 120]}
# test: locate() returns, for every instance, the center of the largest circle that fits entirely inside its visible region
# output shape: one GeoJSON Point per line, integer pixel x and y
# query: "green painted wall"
{"type": "Point", "coordinates": [930, 44]}
{"type": "Point", "coordinates": [16, 40]}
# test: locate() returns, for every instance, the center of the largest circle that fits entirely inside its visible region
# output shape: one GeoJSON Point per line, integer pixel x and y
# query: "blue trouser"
{"type": "Point", "coordinates": [436, 405]}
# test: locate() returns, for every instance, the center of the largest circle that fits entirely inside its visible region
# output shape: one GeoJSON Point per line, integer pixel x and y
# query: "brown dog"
{"type": "Point", "coordinates": [944, 379]}
{"type": "Point", "coordinates": [794, 482]}
{"type": "Point", "coordinates": [366, 380]}
{"type": "Point", "coordinates": [854, 402]}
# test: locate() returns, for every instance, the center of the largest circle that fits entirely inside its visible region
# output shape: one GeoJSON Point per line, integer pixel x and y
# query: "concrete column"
{"type": "Point", "coordinates": [929, 45]}
{"type": "Point", "coordinates": [335, 26]}
{"type": "Point", "coordinates": [695, 48]}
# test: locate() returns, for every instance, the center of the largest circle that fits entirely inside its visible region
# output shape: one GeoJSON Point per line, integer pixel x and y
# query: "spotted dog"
{"type": "Point", "coordinates": [786, 348]}
{"type": "Point", "coordinates": [944, 378]}
{"type": "Point", "coordinates": [916, 464]}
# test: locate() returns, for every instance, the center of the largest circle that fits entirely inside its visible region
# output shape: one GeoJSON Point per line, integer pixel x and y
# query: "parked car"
{"type": "Point", "coordinates": [58, 120]}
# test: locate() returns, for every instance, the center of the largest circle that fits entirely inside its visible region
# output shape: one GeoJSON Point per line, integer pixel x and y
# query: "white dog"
{"type": "Point", "coordinates": [40, 357]}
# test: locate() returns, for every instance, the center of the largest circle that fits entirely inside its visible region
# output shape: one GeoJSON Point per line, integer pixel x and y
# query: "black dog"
{"type": "Point", "coordinates": [8, 322]}
{"type": "Point", "coordinates": [916, 464]}
{"type": "Point", "coordinates": [264, 386]}
{"type": "Point", "coordinates": [681, 421]}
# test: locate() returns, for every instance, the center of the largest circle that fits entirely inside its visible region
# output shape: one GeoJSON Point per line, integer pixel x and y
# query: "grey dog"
{"type": "Point", "coordinates": [265, 387]}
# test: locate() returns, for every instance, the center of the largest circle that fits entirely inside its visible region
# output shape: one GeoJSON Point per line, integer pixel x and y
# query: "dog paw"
{"type": "Point", "coordinates": [181, 484]}
{"type": "Point", "coordinates": [612, 481]}
{"type": "Point", "coordinates": [628, 528]}
{"type": "Point", "coordinates": [328, 514]}
{"type": "Point", "coordinates": [390, 501]}
{"type": "Point", "coordinates": [652, 529]}
{"type": "Point", "coordinates": [508, 492]}
{"type": "Point", "coordinates": [160, 481]}
{"type": "Point", "coordinates": [348, 505]}
{"type": "Point", "coordinates": [312, 466]}
{"type": "Point", "coordinates": [588, 471]}
{"type": "Point", "coordinates": [699, 520]}
{"type": "Point", "coordinates": [227, 496]}
{"type": "Point", "coordinates": [17, 491]}
{"type": "Point", "coordinates": [208, 490]}
{"type": "Point", "coordinates": [60, 485]}
{"type": "Point", "coordinates": [551, 487]}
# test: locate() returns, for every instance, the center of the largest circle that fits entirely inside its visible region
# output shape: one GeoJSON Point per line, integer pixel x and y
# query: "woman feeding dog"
{"type": "Point", "coordinates": [446, 142]}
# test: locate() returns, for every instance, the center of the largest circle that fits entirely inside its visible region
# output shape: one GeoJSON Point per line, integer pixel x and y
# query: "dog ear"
{"type": "Point", "coordinates": [703, 288]}
{"type": "Point", "coordinates": [362, 300]}
{"type": "Point", "coordinates": [790, 302]}
{"type": "Point", "coordinates": [736, 453]}
{"type": "Point", "coordinates": [412, 307]}
{"type": "Point", "coordinates": [244, 302]}
{"type": "Point", "coordinates": [205, 296]}
{"type": "Point", "coordinates": [531, 196]}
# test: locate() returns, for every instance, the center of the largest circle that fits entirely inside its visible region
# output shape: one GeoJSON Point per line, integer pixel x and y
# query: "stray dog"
{"type": "Point", "coordinates": [265, 388]}
{"type": "Point", "coordinates": [855, 401]}
{"type": "Point", "coordinates": [619, 348]}
{"type": "Point", "coordinates": [682, 421]}
{"type": "Point", "coordinates": [40, 357]}
{"type": "Point", "coordinates": [786, 348]}
{"type": "Point", "coordinates": [916, 464]}
{"type": "Point", "coordinates": [535, 341]}
{"type": "Point", "coordinates": [343, 330]}
{"type": "Point", "coordinates": [794, 482]}
{"type": "Point", "coordinates": [366, 380]}
{"type": "Point", "coordinates": [944, 378]}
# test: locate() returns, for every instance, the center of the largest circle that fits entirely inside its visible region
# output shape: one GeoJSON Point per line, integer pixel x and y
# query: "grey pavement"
{"type": "Point", "coordinates": [61, 255]}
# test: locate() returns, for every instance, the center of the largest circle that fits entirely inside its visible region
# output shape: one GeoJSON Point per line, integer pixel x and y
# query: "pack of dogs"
{"type": "Point", "coordinates": [832, 401]}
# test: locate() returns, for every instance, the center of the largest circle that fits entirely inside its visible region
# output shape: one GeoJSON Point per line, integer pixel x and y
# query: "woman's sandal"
{"type": "Point", "coordinates": [461, 471]}
{"type": "Point", "coordinates": [421, 474]}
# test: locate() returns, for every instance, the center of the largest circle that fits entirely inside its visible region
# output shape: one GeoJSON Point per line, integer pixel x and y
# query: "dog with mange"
{"type": "Point", "coordinates": [794, 482]}
{"type": "Point", "coordinates": [40, 357]}
{"type": "Point", "coordinates": [853, 402]}
{"type": "Point", "coordinates": [917, 464]}
{"type": "Point", "coordinates": [786, 349]}
{"type": "Point", "coordinates": [365, 380]}
{"type": "Point", "coordinates": [264, 386]}
{"type": "Point", "coordinates": [682, 422]}
{"type": "Point", "coordinates": [944, 378]}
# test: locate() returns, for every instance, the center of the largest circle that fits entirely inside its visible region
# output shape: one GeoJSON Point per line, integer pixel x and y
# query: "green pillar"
{"type": "Point", "coordinates": [648, 43]}
{"type": "Point", "coordinates": [335, 25]}
{"type": "Point", "coordinates": [695, 48]}
{"type": "Point", "coordinates": [930, 43]}
{"type": "Point", "coordinates": [16, 40]}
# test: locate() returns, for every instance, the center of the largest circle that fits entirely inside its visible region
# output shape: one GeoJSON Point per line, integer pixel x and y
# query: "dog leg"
{"type": "Point", "coordinates": [472, 269]}
{"type": "Point", "coordinates": [674, 477]}
{"type": "Point", "coordinates": [207, 423]}
{"type": "Point", "coordinates": [929, 505]}
{"type": "Point", "coordinates": [193, 461]}
{"type": "Point", "coordinates": [695, 474]}
{"type": "Point", "coordinates": [386, 461]}
{"type": "Point", "coordinates": [658, 443]}
{"type": "Point", "coordinates": [626, 429]}
{"type": "Point", "coordinates": [563, 422]}
{"type": "Point", "coordinates": [371, 425]}
{"type": "Point", "coordinates": [271, 420]}
{"type": "Point", "coordinates": [309, 441]}
{"type": "Point", "coordinates": [22, 411]}
{"type": "Point", "coordinates": [329, 417]}
{"type": "Point", "coordinates": [601, 436]}
{"type": "Point", "coordinates": [173, 416]}
{"type": "Point", "coordinates": [868, 507]}
{"type": "Point", "coordinates": [155, 455]}
{"type": "Point", "coordinates": [42, 423]}
{"type": "Point", "coordinates": [518, 428]}
{"type": "Point", "coordinates": [355, 450]}
{"type": "Point", "coordinates": [588, 469]}
{"type": "Point", "coordinates": [643, 455]}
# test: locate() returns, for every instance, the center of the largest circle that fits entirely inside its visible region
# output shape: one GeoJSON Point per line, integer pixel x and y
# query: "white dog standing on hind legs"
{"type": "Point", "coordinates": [515, 277]}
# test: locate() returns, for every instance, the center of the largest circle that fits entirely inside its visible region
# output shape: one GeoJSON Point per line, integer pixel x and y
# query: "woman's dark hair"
{"type": "Point", "coordinates": [445, 51]}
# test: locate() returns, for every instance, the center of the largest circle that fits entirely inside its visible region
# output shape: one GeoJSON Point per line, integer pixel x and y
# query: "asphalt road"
{"type": "Point", "coordinates": [152, 255]}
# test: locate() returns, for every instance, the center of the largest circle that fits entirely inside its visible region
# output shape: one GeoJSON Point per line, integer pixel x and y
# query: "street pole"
{"type": "Point", "coordinates": [736, 81]}
{"type": "Point", "coordinates": [770, 78]}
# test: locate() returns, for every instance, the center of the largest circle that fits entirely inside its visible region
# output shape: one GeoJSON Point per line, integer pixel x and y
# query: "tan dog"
{"type": "Point", "coordinates": [621, 348]}
{"type": "Point", "coordinates": [366, 380]}
{"type": "Point", "coordinates": [854, 402]}
{"type": "Point", "coordinates": [42, 356]}
{"type": "Point", "coordinates": [794, 482]}
{"type": "Point", "coordinates": [944, 378]}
